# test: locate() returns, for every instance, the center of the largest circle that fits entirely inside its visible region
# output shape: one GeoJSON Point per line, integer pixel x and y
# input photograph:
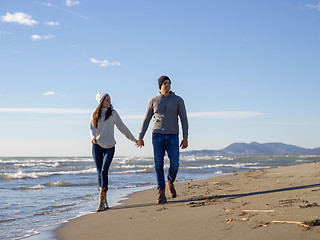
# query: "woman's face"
{"type": "Point", "coordinates": [106, 102]}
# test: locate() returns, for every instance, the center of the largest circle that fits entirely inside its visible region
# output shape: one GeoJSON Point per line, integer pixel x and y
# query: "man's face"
{"type": "Point", "coordinates": [166, 85]}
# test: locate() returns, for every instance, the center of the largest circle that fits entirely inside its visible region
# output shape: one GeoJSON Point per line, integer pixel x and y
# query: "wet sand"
{"type": "Point", "coordinates": [278, 203]}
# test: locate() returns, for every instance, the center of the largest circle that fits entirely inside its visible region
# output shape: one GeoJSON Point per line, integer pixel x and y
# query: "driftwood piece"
{"type": "Point", "coordinates": [236, 219]}
{"type": "Point", "coordinates": [293, 222]}
{"type": "Point", "coordinates": [256, 211]}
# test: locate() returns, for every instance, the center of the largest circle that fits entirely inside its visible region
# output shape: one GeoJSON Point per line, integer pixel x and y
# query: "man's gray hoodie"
{"type": "Point", "coordinates": [165, 110]}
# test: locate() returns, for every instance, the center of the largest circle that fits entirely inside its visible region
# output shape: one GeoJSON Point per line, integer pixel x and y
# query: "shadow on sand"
{"type": "Point", "coordinates": [231, 196]}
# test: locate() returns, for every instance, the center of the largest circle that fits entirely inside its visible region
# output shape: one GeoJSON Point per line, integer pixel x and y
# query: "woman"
{"type": "Point", "coordinates": [103, 143]}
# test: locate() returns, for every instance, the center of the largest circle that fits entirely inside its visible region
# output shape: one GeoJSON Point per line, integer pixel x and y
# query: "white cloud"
{"type": "Point", "coordinates": [71, 3]}
{"type": "Point", "coordinates": [47, 4]}
{"type": "Point", "coordinates": [316, 6]}
{"type": "Point", "coordinates": [104, 63]}
{"type": "Point", "coordinates": [19, 17]}
{"type": "Point", "coordinates": [43, 37]}
{"type": "Point", "coordinates": [42, 122]}
{"type": "Point", "coordinates": [226, 114]}
{"type": "Point", "coordinates": [35, 37]}
{"type": "Point", "coordinates": [46, 110]}
{"type": "Point", "coordinates": [49, 93]}
{"type": "Point", "coordinates": [52, 23]}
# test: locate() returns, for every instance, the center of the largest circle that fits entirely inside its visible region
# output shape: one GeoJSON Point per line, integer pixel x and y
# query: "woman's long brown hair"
{"type": "Point", "coordinates": [97, 114]}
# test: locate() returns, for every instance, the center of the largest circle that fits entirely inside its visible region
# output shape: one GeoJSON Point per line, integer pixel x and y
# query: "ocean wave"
{"type": "Point", "coordinates": [38, 164]}
{"type": "Point", "coordinates": [131, 160]}
{"type": "Point", "coordinates": [194, 158]}
{"type": "Point", "coordinates": [38, 187]}
{"type": "Point", "coordinates": [260, 167]}
{"type": "Point", "coordinates": [48, 212]}
{"type": "Point", "coordinates": [135, 185]}
{"type": "Point", "coordinates": [301, 160]}
{"type": "Point", "coordinates": [309, 156]}
{"type": "Point", "coordinates": [236, 165]}
{"type": "Point", "coordinates": [7, 220]}
{"type": "Point", "coordinates": [199, 167]}
{"type": "Point", "coordinates": [115, 169]}
{"type": "Point", "coordinates": [61, 206]}
{"type": "Point", "coordinates": [133, 166]}
{"type": "Point", "coordinates": [34, 175]}
{"type": "Point", "coordinates": [43, 160]}
{"type": "Point", "coordinates": [65, 184]}
{"type": "Point", "coordinates": [57, 184]}
{"type": "Point", "coordinates": [56, 209]}
{"type": "Point", "coordinates": [133, 171]}
{"type": "Point", "coordinates": [29, 233]}
{"type": "Point", "coordinates": [86, 197]}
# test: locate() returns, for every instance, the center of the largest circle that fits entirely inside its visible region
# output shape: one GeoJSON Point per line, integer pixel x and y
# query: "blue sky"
{"type": "Point", "coordinates": [247, 70]}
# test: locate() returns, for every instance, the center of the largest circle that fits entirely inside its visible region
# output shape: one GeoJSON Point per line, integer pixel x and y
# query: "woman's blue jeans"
{"type": "Point", "coordinates": [163, 143]}
{"type": "Point", "coordinates": [102, 158]}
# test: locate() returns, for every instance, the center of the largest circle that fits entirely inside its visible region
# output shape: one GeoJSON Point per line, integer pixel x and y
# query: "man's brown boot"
{"type": "Point", "coordinates": [162, 197]}
{"type": "Point", "coordinates": [172, 191]}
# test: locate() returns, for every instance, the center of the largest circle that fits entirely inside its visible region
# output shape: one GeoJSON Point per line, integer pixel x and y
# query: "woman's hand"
{"type": "Point", "coordinates": [93, 141]}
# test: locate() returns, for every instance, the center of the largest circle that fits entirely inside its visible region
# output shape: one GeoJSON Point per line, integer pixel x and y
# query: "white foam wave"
{"type": "Point", "coordinates": [34, 175]}
{"type": "Point", "coordinates": [56, 184]}
{"type": "Point", "coordinates": [133, 171]}
{"type": "Point", "coordinates": [38, 187]}
{"type": "Point", "coordinates": [29, 233]}
{"type": "Point", "coordinates": [39, 164]}
{"type": "Point", "coordinates": [43, 160]}
{"type": "Point", "coordinates": [133, 166]}
{"type": "Point", "coordinates": [237, 165]}
{"type": "Point", "coordinates": [193, 158]}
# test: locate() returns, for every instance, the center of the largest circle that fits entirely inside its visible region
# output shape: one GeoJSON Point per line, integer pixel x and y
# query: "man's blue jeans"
{"type": "Point", "coordinates": [163, 143]}
{"type": "Point", "coordinates": [103, 158]}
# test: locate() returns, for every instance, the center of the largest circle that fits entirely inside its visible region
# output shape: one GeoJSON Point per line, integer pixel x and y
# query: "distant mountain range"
{"type": "Point", "coordinates": [255, 148]}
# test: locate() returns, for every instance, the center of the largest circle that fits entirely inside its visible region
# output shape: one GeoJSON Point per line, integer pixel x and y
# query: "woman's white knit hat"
{"type": "Point", "coordinates": [100, 96]}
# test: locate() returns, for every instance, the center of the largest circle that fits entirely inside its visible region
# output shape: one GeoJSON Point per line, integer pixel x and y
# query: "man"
{"type": "Point", "coordinates": [165, 109]}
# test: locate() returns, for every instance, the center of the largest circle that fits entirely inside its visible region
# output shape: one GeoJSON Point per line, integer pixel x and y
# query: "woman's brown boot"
{"type": "Point", "coordinates": [162, 197]}
{"type": "Point", "coordinates": [102, 199]}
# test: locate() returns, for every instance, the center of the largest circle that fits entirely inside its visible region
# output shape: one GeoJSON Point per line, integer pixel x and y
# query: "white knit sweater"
{"type": "Point", "coordinates": [104, 134]}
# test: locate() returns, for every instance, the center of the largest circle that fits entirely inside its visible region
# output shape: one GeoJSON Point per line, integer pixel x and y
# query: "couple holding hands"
{"type": "Point", "coordinates": [165, 108]}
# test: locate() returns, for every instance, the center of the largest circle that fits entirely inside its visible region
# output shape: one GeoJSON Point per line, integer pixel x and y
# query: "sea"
{"type": "Point", "coordinates": [38, 194]}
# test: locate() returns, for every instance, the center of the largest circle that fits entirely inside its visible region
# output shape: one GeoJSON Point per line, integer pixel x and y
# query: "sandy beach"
{"type": "Point", "coordinates": [278, 203]}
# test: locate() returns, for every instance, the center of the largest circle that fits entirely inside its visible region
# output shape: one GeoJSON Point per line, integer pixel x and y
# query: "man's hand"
{"type": "Point", "coordinates": [184, 143]}
{"type": "Point", "coordinates": [140, 143]}
{"type": "Point", "coordinates": [93, 141]}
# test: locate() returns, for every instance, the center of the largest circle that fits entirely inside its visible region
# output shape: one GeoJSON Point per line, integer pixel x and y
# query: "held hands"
{"type": "Point", "coordinates": [140, 143]}
{"type": "Point", "coordinates": [184, 143]}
